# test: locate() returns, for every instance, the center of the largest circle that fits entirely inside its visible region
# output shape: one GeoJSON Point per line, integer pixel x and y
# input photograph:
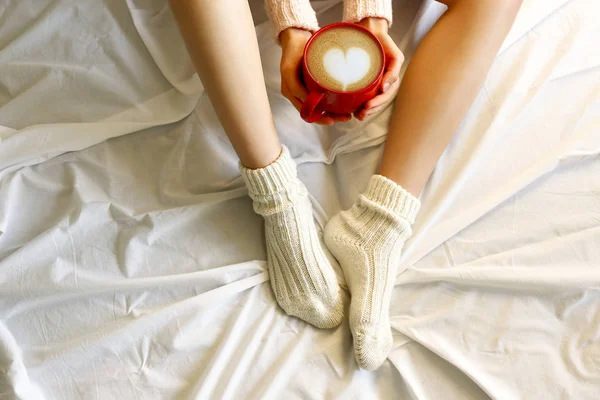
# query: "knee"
{"type": "Point", "coordinates": [498, 8]}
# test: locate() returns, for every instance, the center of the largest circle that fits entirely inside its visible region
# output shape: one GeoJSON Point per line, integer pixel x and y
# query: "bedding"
{"type": "Point", "coordinates": [132, 264]}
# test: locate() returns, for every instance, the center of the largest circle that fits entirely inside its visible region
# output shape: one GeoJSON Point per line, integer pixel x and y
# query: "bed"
{"type": "Point", "coordinates": [133, 267]}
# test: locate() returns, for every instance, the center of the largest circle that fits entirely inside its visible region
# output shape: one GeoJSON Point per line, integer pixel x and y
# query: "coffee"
{"type": "Point", "coordinates": [344, 59]}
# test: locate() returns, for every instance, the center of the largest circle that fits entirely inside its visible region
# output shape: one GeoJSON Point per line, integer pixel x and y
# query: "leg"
{"type": "Point", "coordinates": [439, 86]}
{"type": "Point", "coordinates": [222, 43]}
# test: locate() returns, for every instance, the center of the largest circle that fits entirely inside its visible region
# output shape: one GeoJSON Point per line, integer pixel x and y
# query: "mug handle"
{"type": "Point", "coordinates": [310, 109]}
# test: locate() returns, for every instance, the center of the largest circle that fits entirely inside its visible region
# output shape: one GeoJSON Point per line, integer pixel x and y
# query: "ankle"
{"type": "Point", "coordinates": [386, 195]}
{"type": "Point", "coordinates": [261, 158]}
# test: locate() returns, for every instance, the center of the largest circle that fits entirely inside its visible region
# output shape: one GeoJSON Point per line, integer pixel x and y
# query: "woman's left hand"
{"type": "Point", "coordinates": [394, 60]}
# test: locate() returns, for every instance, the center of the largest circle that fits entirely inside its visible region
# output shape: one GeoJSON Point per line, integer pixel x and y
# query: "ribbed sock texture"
{"type": "Point", "coordinates": [367, 240]}
{"type": "Point", "coordinates": [302, 278]}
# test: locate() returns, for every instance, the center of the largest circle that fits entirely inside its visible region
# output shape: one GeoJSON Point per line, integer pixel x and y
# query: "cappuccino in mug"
{"type": "Point", "coordinates": [344, 59]}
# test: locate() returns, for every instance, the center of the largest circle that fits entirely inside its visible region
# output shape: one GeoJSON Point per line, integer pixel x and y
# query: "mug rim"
{"type": "Point", "coordinates": [353, 26]}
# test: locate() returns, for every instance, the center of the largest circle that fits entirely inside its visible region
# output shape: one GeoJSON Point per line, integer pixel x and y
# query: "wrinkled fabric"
{"type": "Point", "coordinates": [133, 266]}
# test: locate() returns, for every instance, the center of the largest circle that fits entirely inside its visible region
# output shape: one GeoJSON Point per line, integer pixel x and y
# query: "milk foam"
{"type": "Point", "coordinates": [348, 67]}
{"type": "Point", "coordinates": [345, 59]}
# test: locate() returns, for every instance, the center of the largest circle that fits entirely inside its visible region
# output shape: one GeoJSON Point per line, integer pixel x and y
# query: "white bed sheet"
{"type": "Point", "coordinates": [134, 267]}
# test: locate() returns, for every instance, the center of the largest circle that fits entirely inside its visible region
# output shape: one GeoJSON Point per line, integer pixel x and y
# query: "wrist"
{"type": "Point", "coordinates": [291, 34]}
{"type": "Point", "coordinates": [375, 25]}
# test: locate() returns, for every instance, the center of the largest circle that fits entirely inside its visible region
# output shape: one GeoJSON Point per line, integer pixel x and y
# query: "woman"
{"type": "Point", "coordinates": [437, 90]}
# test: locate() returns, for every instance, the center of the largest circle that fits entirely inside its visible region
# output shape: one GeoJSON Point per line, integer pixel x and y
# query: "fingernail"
{"type": "Point", "coordinates": [386, 86]}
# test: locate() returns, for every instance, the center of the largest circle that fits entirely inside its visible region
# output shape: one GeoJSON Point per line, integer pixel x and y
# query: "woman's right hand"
{"type": "Point", "coordinates": [293, 41]}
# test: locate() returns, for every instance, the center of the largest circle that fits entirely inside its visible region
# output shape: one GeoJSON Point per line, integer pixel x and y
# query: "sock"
{"type": "Point", "coordinates": [302, 278]}
{"type": "Point", "coordinates": [367, 240]}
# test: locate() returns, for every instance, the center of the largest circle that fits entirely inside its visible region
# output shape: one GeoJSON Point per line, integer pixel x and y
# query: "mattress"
{"type": "Point", "coordinates": [132, 265]}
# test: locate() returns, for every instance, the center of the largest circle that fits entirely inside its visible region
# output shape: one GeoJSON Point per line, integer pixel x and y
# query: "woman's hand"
{"type": "Point", "coordinates": [293, 41]}
{"type": "Point", "coordinates": [394, 60]}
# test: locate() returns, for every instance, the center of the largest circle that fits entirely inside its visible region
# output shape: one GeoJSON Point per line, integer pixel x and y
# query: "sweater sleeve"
{"type": "Point", "coordinates": [291, 14]}
{"type": "Point", "coordinates": [357, 10]}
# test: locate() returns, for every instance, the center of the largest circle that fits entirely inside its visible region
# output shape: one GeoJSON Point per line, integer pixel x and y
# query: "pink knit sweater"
{"type": "Point", "coordinates": [299, 14]}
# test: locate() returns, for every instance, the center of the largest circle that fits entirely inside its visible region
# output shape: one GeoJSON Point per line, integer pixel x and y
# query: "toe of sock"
{"type": "Point", "coordinates": [321, 314]}
{"type": "Point", "coordinates": [327, 317]}
{"type": "Point", "coordinates": [372, 346]}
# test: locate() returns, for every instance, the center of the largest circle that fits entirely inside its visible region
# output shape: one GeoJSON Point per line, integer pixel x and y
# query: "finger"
{"type": "Point", "coordinates": [325, 121]}
{"type": "Point", "coordinates": [290, 73]}
{"type": "Point", "coordinates": [374, 110]}
{"type": "Point", "coordinates": [375, 107]}
{"type": "Point", "coordinates": [384, 97]}
{"type": "Point", "coordinates": [389, 79]}
{"type": "Point", "coordinates": [340, 117]}
{"type": "Point", "coordinates": [361, 114]}
{"type": "Point", "coordinates": [377, 101]}
{"type": "Point", "coordinates": [395, 58]}
{"type": "Point", "coordinates": [364, 113]}
{"type": "Point", "coordinates": [297, 88]}
{"type": "Point", "coordinates": [295, 101]}
{"type": "Point", "coordinates": [297, 104]}
{"type": "Point", "coordinates": [345, 118]}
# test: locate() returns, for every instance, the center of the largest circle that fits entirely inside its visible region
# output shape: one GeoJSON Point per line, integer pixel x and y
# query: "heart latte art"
{"type": "Point", "coordinates": [347, 68]}
{"type": "Point", "coordinates": [344, 59]}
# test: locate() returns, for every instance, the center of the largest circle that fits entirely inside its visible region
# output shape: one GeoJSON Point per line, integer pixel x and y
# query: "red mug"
{"type": "Point", "coordinates": [321, 100]}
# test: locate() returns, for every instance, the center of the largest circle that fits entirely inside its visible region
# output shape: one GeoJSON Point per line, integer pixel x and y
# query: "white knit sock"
{"type": "Point", "coordinates": [367, 240]}
{"type": "Point", "coordinates": [302, 278]}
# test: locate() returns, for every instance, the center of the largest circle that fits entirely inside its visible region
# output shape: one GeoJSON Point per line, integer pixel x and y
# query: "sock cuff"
{"type": "Point", "coordinates": [275, 177]}
{"type": "Point", "coordinates": [393, 197]}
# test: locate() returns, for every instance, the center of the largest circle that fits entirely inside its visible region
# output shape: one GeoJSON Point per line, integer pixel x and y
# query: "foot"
{"type": "Point", "coordinates": [367, 240]}
{"type": "Point", "coordinates": [302, 278]}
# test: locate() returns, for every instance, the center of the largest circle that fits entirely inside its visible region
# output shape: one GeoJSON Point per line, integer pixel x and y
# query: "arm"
{"type": "Point", "coordinates": [291, 14]}
{"type": "Point", "coordinates": [376, 16]}
{"type": "Point", "coordinates": [294, 21]}
{"type": "Point", "coordinates": [357, 10]}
